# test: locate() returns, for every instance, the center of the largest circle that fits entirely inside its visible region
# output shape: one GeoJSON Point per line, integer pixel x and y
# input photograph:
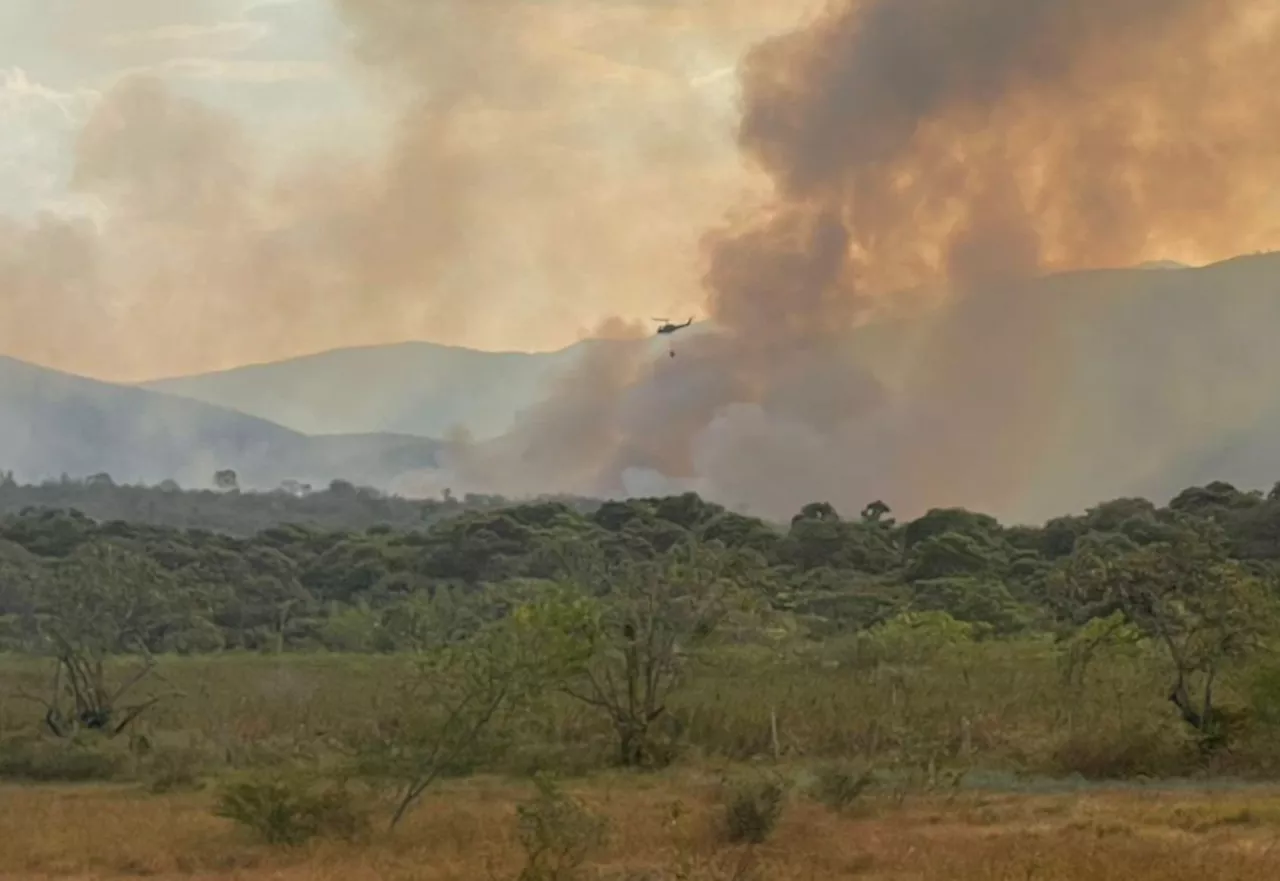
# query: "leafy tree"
{"type": "Point", "coordinates": [878, 512]}
{"type": "Point", "coordinates": [688, 511]}
{"type": "Point", "coordinates": [18, 567]}
{"type": "Point", "coordinates": [983, 602]}
{"type": "Point", "coordinates": [351, 569]}
{"type": "Point", "coordinates": [1213, 500]}
{"type": "Point", "coordinates": [1188, 595]}
{"type": "Point", "coordinates": [955, 554]}
{"type": "Point", "coordinates": [957, 520]}
{"type": "Point", "coordinates": [735, 530]}
{"type": "Point", "coordinates": [270, 604]}
{"type": "Point", "coordinates": [820, 511]}
{"type": "Point", "coordinates": [650, 616]}
{"type": "Point", "coordinates": [819, 538]}
{"type": "Point", "coordinates": [1113, 516]}
{"type": "Point", "coordinates": [351, 629]}
{"type": "Point", "coordinates": [1081, 646]}
{"type": "Point", "coordinates": [832, 601]}
{"type": "Point", "coordinates": [451, 709]}
{"type": "Point", "coordinates": [917, 638]}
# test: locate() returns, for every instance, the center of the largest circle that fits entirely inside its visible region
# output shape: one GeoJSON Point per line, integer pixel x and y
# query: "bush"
{"type": "Point", "coordinates": [41, 761]}
{"type": "Point", "coordinates": [292, 810]}
{"type": "Point", "coordinates": [839, 786]}
{"type": "Point", "coordinates": [1119, 754]}
{"type": "Point", "coordinates": [1264, 694]}
{"type": "Point", "coordinates": [171, 770]}
{"type": "Point", "coordinates": [752, 810]}
{"type": "Point", "coordinates": [558, 834]}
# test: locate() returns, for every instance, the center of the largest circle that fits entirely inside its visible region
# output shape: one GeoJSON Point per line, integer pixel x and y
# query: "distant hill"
{"type": "Point", "coordinates": [53, 423]}
{"type": "Point", "coordinates": [419, 389]}
{"type": "Point", "coordinates": [1248, 458]}
{"type": "Point", "coordinates": [1130, 381]}
{"type": "Point", "coordinates": [1161, 380]}
{"type": "Point", "coordinates": [411, 388]}
{"type": "Point", "coordinates": [1133, 381]}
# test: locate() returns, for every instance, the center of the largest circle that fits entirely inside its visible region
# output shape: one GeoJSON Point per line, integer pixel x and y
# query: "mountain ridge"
{"type": "Point", "coordinates": [1136, 382]}
{"type": "Point", "coordinates": [56, 423]}
{"type": "Point", "coordinates": [365, 388]}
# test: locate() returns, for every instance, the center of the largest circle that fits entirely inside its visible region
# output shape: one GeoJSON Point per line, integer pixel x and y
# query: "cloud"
{"type": "Point", "coordinates": [90, 16]}
{"type": "Point", "coordinates": [34, 118]}
{"type": "Point", "coordinates": [238, 70]}
{"type": "Point", "coordinates": [127, 36]}
{"type": "Point", "coordinates": [217, 38]}
{"type": "Point", "coordinates": [228, 51]}
{"type": "Point", "coordinates": [20, 95]}
{"type": "Point", "coordinates": [544, 166]}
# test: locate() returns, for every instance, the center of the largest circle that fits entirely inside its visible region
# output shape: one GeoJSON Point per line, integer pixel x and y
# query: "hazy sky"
{"type": "Point", "coordinates": [190, 185]}
{"type": "Point", "coordinates": [270, 61]}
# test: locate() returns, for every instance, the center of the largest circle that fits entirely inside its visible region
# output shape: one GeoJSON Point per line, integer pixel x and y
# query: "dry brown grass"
{"type": "Point", "coordinates": [466, 832]}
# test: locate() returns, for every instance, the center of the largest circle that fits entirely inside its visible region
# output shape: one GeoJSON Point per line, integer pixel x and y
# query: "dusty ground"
{"type": "Point", "coordinates": [466, 832]}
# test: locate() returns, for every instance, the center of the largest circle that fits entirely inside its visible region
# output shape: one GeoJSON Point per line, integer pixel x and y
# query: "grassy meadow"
{"type": "Point", "coordinates": [990, 707]}
{"type": "Point", "coordinates": [990, 760]}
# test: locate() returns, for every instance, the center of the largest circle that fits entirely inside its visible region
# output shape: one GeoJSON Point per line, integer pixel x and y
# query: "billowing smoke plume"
{"type": "Point", "coordinates": [955, 149]}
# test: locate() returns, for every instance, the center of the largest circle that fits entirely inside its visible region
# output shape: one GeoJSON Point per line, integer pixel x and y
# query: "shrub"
{"type": "Point", "coordinates": [839, 786]}
{"type": "Point", "coordinates": [752, 810]}
{"type": "Point", "coordinates": [1264, 693]}
{"type": "Point", "coordinates": [1120, 754]}
{"type": "Point", "coordinates": [558, 834]}
{"type": "Point", "coordinates": [171, 770]}
{"type": "Point", "coordinates": [40, 761]}
{"type": "Point", "coordinates": [292, 810]}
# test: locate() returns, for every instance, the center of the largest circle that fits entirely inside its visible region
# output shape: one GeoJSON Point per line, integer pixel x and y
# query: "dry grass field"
{"type": "Point", "coordinates": [246, 716]}
{"type": "Point", "coordinates": [667, 827]}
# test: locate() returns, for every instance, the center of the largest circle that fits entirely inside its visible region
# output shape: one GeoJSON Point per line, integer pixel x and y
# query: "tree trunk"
{"type": "Point", "coordinates": [1180, 699]}
{"type": "Point", "coordinates": [631, 743]}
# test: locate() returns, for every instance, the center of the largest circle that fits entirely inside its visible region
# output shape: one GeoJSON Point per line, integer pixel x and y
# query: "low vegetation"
{"type": "Point", "coordinates": [723, 684]}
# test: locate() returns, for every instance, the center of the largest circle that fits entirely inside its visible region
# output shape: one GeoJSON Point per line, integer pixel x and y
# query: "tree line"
{"type": "Point", "coordinates": [1196, 578]}
{"type": "Point", "coordinates": [340, 505]}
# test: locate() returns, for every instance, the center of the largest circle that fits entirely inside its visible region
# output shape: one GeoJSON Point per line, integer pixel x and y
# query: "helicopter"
{"type": "Point", "coordinates": [668, 327]}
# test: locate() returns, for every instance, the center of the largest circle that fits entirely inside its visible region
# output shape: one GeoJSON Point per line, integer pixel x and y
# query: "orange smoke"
{"type": "Point", "coordinates": [955, 149]}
